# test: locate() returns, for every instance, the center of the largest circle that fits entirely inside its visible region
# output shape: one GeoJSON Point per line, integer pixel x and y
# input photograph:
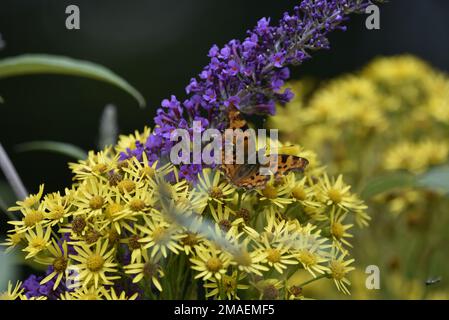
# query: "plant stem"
{"type": "Point", "coordinates": [11, 175]}
{"type": "Point", "coordinates": [312, 280]}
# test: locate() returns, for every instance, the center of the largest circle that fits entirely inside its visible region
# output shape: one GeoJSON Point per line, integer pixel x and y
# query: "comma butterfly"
{"type": "Point", "coordinates": [247, 175]}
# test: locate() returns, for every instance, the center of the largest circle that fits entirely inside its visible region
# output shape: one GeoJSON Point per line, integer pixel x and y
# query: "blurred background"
{"type": "Point", "coordinates": [158, 46]}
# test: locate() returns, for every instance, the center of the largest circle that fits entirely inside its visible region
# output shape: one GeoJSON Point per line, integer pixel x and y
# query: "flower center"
{"type": "Point", "coordinates": [113, 236]}
{"type": "Point", "coordinates": [126, 186]}
{"type": "Point", "coordinates": [334, 195]}
{"type": "Point", "coordinates": [338, 270]}
{"type": "Point", "coordinates": [190, 240]}
{"type": "Point", "coordinates": [216, 192]}
{"type": "Point", "coordinates": [148, 172]}
{"type": "Point", "coordinates": [96, 202]}
{"type": "Point", "coordinates": [137, 205]}
{"type": "Point", "coordinates": [33, 218]}
{"type": "Point", "coordinates": [92, 236]}
{"type": "Point", "coordinates": [100, 168]}
{"type": "Point", "coordinates": [112, 209]}
{"type": "Point", "coordinates": [299, 193]}
{"type": "Point", "coordinates": [270, 192]}
{"type": "Point", "coordinates": [60, 264]}
{"type": "Point", "coordinates": [214, 264]}
{"type": "Point", "coordinates": [78, 225]}
{"type": "Point", "coordinates": [229, 284]}
{"type": "Point", "coordinates": [134, 242]}
{"type": "Point", "coordinates": [243, 258]}
{"type": "Point", "coordinates": [225, 225]}
{"type": "Point", "coordinates": [38, 243]}
{"type": "Point", "coordinates": [307, 258]}
{"type": "Point", "coordinates": [114, 178]}
{"type": "Point", "coordinates": [273, 255]}
{"type": "Point", "coordinates": [244, 214]}
{"type": "Point", "coordinates": [337, 230]}
{"type": "Point", "coordinates": [149, 269]}
{"type": "Point", "coordinates": [95, 262]}
{"type": "Point", "coordinates": [159, 235]}
{"type": "Point", "coordinates": [57, 212]}
{"type": "Point", "coordinates": [270, 292]}
{"type": "Point", "coordinates": [295, 290]}
{"type": "Point", "coordinates": [16, 238]}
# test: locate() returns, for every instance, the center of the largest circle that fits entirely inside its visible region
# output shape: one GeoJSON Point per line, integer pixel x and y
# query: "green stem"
{"type": "Point", "coordinates": [312, 280]}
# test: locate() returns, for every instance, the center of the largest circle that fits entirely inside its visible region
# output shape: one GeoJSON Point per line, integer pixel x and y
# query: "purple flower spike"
{"type": "Point", "coordinates": [249, 74]}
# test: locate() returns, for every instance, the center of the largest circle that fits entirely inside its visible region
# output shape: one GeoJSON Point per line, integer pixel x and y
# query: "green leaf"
{"type": "Point", "coordinates": [53, 146]}
{"type": "Point", "coordinates": [435, 179]}
{"type": "Point", "coordinates": [42, 63]}
{"type": "Point", "coordinates": [386, 183]}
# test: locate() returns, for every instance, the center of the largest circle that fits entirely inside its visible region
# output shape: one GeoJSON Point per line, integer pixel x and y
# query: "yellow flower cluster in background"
{"type": "Point", "coordinates": [390, 118]}
{"type": "Point", "coordinates": [128, 224]}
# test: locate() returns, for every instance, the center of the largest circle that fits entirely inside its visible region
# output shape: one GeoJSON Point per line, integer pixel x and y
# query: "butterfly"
{"type": "Point", "coordinates": [247, 175]}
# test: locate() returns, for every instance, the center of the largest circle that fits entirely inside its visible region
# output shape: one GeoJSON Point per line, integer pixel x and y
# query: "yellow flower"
{"type": "Point", "coordinates": [57, 207]}
{"type": "Point", "coordinates": [302, 193]}
{"type": "Point", "coordinates": [144, 171]}
{"type": "Point", "coordinates": [249, 261]}
{"type": "Point", "coordinates": [278, 255]}
{"type": "Point", "coordinates": [160, 237]}
{"type": "Point", "coordinates": [37, 241]}
{"type": "Point", "coordinates": [226, 287]}
{"type": "Point", "coordinates": [190, 241]}
{"type": "Point", "coordinates": [112, 295]}
{"type": "Point", "coordinates": [134, 246]}
{"type": "Point", "coordinates": [30, 202]}
{"type": "Point", "coordinates": [337, 193]}
{"type": "Point", "coordinates": [338, 229]}
{"type": "Point", "coordinates": [97, 164]}
{"type": "Point", "coordinates": [12, 293]}
{"type": "Point", "coordinates": [14, 238]}
{"type": "Point", "coordinates": [212, 187]}
{"type": "Point", "coordinates": [91, 197]}
{"type": "Point", "coordinates": [275, 195]}
{"type": "Point", "coordinates": [31, 218]}
{"type": "Point", "coordinates": [84, 293]}
{"type": "Point", "coordinates": [222, 217]}
{"type": "Point", "coordinates": [126, 142]}
{"type": "Point", "coordinates": [146, 268]}
{"type": "Point", "coordinates": [209, 262]}
{"type": "Point", "coordinates": [270, 289]}
{"type": "Point", "coordinates": [93, 265]}
{"type": "Point", "coordinates": [58, 260]}
{"type": "Point", "coordinates": [338, 269]}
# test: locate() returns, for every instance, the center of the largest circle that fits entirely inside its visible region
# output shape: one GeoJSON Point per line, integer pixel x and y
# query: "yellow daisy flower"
{"type": "Point", "coordinates": [93, 265]}
{"type": "Point", "coordinates": [111, 294]}
{"type": "Point", "coordinates": [37, 241]}
{"type": "Point", "coordinates": [146, 268]}
{"type": "Point", "coordinates": [160, 236]}
{"type": "Point", "coordinates": [213, 187]}
{"type": "Point", "coordinates": [58, 260]}
{"type": "Point", "coordinates": [226, 287]}
{"type": "Point", "coordinates": [12, 293]}
{"type": "Point", "coordinates": [209, 262]}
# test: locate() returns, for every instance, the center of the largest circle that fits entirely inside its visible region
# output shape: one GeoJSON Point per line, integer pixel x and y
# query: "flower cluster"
{"type": "Point", "coordinates": [125, 230]}
{"type": "Point", "coordinates": [247, 74]}
{"type": "Point", "coordinates": [131, 220]}
{"type": "Point", "coordinates": [386, 125]}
